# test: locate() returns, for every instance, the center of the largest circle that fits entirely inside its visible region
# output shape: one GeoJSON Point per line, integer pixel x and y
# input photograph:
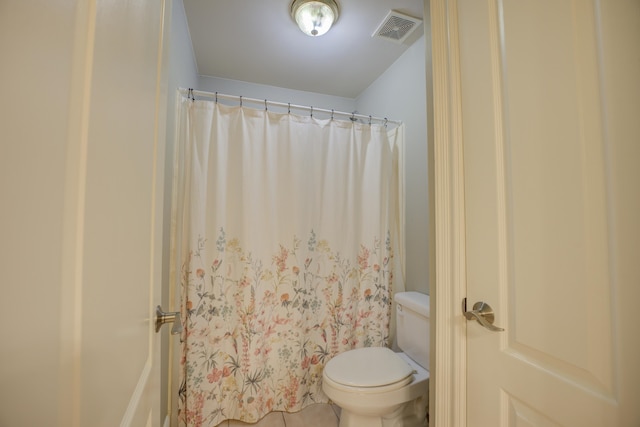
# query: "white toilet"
{"type": "Point", "coordinates": [376, 387]}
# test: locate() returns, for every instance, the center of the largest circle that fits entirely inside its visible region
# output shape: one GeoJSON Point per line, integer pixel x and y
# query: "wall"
{"type": "Point", "coordinates": [399, 93]}
{"type": "Point", "coordinates": [278, 94]}
{"type": "Point", "coordinates": [36, 40]}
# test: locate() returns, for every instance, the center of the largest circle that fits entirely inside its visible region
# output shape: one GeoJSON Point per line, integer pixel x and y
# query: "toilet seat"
{"type": "Point", "coordinates": [369, 369]}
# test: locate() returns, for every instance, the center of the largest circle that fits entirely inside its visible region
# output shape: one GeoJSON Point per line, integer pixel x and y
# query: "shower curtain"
{"type": "Point", "coordinates": [287, 232]}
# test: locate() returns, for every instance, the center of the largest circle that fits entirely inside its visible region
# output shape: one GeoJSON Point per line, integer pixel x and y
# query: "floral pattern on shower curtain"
{"type": "Point", "coordinates": [286, 234]}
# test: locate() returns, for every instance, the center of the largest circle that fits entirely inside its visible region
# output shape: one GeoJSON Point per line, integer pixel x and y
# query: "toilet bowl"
{"type": "Point", "coordinates": [376, 387]}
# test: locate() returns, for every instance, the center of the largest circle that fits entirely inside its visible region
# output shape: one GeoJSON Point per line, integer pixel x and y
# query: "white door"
{"type": "Point", "coordinates": [82, 166]}
{"type": "Point", "coordinates": [550, 112]}
{"type": "Point", "coordinates": [117, 191]}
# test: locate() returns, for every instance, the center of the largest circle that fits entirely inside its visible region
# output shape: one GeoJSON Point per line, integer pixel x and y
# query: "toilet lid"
{"type": "Point", "coordinates": [367, 367]}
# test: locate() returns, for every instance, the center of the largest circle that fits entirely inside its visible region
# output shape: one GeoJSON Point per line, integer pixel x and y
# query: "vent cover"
{"type": "Point", "coordinates": [396, 27]}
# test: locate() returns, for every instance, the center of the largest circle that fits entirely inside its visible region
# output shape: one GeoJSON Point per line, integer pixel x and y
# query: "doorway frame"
{"type": "Point", "coordinates": [447, 281]}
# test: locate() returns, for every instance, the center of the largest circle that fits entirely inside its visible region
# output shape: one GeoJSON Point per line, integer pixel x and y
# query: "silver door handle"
{"type": "Point", "coordinates": [168, 317]}
{"type": "Point", "coordinates": [483, 313]}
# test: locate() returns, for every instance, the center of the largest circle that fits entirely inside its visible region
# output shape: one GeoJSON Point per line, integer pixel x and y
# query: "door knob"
{"type": "Point", "coordinates": [168, 317]}
{"type": "Point", "coordinates": [483, 313]}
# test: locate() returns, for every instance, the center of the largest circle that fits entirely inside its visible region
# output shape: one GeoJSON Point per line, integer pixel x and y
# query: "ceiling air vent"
{"type": "Point", "coordinates": [396, 27]}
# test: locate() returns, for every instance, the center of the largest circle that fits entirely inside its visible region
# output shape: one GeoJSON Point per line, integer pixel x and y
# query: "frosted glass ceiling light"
{"type": "Point", "coordinates": [314, 17]}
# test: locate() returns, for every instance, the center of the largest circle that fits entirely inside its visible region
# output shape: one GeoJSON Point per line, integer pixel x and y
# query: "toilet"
{"type": "Point", "coordinates": [376, 387]}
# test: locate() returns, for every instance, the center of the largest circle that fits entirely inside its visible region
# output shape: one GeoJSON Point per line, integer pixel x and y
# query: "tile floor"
{"type": "Point", "coordinates": [319, 415]}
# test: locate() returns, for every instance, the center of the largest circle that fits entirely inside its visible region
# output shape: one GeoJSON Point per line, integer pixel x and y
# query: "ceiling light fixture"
{"type": "Point", "coordinates": [314, 17]}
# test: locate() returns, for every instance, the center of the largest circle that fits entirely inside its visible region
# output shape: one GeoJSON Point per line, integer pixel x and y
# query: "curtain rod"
{"type": "Point", "coordinates": [192, 93]}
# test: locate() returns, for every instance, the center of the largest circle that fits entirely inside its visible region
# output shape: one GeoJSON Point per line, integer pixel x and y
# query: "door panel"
{"type": "Point", "coordinates": [119, 181]}
{"type": "Point", "coordinates": [555, 201]}
{"type": "Point", "coordinates": [538, 207]}
{"type": "Point", "coordinates": [522, 415]}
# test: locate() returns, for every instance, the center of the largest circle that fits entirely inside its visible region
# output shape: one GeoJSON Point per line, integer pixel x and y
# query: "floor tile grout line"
{"type": "Point", "coordinates": [295, 418]}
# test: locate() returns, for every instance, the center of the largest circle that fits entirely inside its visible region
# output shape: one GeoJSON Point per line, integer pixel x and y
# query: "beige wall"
{"type": "Point", "coordinates": [36, 41]}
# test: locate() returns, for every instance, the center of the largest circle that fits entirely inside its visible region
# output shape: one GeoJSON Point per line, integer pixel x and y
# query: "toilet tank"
{"type": "Point", "coordinates": [412, 326]}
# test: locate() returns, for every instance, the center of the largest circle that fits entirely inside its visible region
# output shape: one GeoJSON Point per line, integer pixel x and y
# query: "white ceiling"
{"type": "Point", "coordinates": [257, 41]}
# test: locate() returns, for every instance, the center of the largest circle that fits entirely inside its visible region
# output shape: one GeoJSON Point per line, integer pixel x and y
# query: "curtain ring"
{"type": "Point", "coordinates": [216, 97]}
{"type": "Point", "coordinates": [265, 105]}
{"type": "Point", "coordinates": [289, 109]}
{"type": "Point", "coordinates": [385, 122]}
{"type": "Point", "coordinates": [369, 120]}
{"type": "Point", "coordinates": [241, 100]}
{"type": "Point", "coordinates": [332, 114]}
{"type": "Point", "coordinates": [312, 111]}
